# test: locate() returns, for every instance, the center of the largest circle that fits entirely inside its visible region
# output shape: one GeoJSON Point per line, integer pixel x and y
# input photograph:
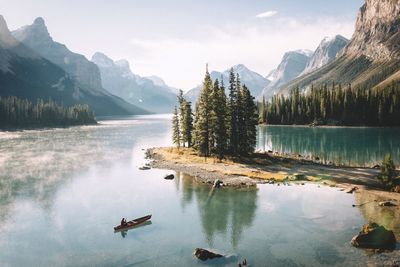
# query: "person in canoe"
{"type": "Point", "coordinates": [123, 222]}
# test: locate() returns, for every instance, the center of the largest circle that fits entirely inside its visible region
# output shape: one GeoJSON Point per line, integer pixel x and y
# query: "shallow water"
{"type": "Point", "coordinates": [356, 146]}
{"type": "Point", "coordinates": [63, 190]}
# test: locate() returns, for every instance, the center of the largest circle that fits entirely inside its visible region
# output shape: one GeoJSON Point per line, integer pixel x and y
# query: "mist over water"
{"type": "Point", "coordinates": [63, 190]}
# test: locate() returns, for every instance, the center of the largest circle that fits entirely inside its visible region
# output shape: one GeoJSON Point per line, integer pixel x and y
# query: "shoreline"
{"type": "Point", "coordinates": [328, 126]}
{"type": "Point", "coordinates": [264, 168]}
{"type": "Point", "coordinates": [45, 127]}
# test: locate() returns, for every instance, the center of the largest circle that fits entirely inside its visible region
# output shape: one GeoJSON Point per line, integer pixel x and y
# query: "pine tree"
{"type": "Point", "coordinates": [187, 126]}
{"type": "Point", "coordinates": [251, 120]}
{"type": "Point", "coordinates": [233, 113]}
{"type": "Point", "coordinates": [176, 133]}
{"type": "Point", "coordinates": [220, 109]}
{"type": "Point", "coordinates": [203, 113]}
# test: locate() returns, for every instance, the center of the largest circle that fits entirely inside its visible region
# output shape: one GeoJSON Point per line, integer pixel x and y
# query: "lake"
{"type": "Point", "coordinates": [63, 190]}
{"type": "Point", "coordinates": [355, 146]}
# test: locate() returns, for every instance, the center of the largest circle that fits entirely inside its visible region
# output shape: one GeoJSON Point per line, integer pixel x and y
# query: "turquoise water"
{"type": "Point", "coordinates": [62, 191]}
{"type": "Point", "coordinates": [340, 145]}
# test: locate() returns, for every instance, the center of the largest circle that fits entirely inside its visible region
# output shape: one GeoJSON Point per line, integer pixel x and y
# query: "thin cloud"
{"type": "Point", "coordinates": [267, 14]}
{"type": "Point", "coordinates": [260, 46]}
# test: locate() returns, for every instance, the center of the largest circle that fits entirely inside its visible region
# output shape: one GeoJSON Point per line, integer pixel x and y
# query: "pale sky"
{"type": "Point", "coordinates": [174, 39]}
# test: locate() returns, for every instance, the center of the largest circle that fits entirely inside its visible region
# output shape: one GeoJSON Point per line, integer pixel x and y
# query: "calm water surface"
{"type": "Point", "coordinates": [340, 145]}
{"type": "Point", "coordinates": [63, 190]}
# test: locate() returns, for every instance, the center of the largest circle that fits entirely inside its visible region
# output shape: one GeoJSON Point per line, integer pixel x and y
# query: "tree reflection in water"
{"type": "Point", "coordinates": [349, 146]}
{"type": "Point", "coordinates": [221, 212]}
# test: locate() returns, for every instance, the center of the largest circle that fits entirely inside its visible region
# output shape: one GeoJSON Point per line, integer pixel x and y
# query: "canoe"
{"type": "Point", "coordinates": [132, 223]}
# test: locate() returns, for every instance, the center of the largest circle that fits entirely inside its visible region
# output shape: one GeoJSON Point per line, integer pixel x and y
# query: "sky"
{"type": "Point", "coordinates": [174, 39]}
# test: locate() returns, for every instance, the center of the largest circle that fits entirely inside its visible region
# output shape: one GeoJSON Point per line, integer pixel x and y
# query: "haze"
{"type": "Point", "coordinates": [175, 39]}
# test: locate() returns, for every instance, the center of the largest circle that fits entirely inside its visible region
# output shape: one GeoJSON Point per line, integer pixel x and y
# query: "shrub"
{"type": "Point", "coordinates": [388, 172]}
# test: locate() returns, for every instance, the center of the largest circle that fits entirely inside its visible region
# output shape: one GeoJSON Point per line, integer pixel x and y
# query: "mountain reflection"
{"type": "Point", "coordinates": [353, 146]}
{"type": "Point", "coordinates": [221, 212]}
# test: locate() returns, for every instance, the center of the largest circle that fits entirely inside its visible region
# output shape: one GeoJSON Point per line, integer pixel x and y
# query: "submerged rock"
{"type": "Point", "coordinates": [169, 177]}
{"type": "Point", "coordinates": [203, 254]}
{"type": "Point", "coordinates": [351, 190]}
{"type": "Point", "coordinates": [144, 168]}
{"type": "Point", "coordinates": [374, 236]}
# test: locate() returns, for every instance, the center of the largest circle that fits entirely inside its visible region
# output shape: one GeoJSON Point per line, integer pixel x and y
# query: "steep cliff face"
{"type": "Point", "coordinates": [371, 59]}
{"type": "Point", "coordinates": [327, 51]}
{"type": "Point", "coordinates": [292, 65]}
{"type": "Point", "coordinates": [26, 74]}
{"type": "Point", "coordinates": [377, 33]}
{"type": "Point", "coordinates": [37, 37]}
{"type": "Point", "coordinates": [118, 79]}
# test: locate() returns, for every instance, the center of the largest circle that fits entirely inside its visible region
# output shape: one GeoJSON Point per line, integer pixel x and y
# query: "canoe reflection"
{"type": "Point", "coordinates": [125, 231]}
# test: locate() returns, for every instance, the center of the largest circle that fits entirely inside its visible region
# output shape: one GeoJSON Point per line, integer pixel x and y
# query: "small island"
{"type": "Point", "coordinates": [217, 144]}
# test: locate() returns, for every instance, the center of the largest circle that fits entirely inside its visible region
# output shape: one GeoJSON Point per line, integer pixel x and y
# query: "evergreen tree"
{"type": "Point", "coordinates": [251, 121]}
{"type": "Point", "coordinates": [203, 113]}
{"type": "Point", "coordinates": [233, 114]}
{"type": "Point", "coordinates": [220, 120]}
{"type": "Point", "coordinates": [176, 133]}
{"type": "Point", "coordinates": [187, 126]}
{"type": "Point", "coordinates": [388, 171]}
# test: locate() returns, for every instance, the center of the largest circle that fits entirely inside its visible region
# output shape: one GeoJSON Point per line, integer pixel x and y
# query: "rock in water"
{"type": "Point", "coordinates": [374, 236]}
{"type": "Point", "coordinates": [352, 189]}
{"type": "Point", "coordinates": [203, 254]}
{"type": "Point", "coordinates": [387, 204]}
{"type": "Point", "coordinates": [169, 177]}
{"type": "Point", "coordinates": [218, 183]}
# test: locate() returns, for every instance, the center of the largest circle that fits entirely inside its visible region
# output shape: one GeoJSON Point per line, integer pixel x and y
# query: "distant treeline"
{"type": "Point", "coordinates": [21, 113]}
{"type": "Point", "coordinates": [335, 105]}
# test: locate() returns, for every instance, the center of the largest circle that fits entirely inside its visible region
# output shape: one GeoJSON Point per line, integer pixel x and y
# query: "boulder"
{"type": "Point", "coordinates": [144, 168]}
{"type": "Point", "coordinates": [203, 254]}
{"type": "Point", "coordinates": [396, 189]}
{"type": "Point", "coordinates": [374, 236]}
{"type": "Point", "coordinates": [218, 183]}
{"type": "Point", "coordinates": [387, 204]}
{"type": "Point", "coordinates": [351, 189]}
{"type": "Point", "coordinates": [169, 177]}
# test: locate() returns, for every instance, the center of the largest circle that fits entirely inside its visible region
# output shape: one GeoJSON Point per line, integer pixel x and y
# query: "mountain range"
{"type": "Point", "coordinates": [372, 57]}
{"type": "Point", "coordinates": [254, 81]}
{"type": "Point", "coordinates": [150, 93]}
{"type": "Point", "coordinates": [34, 66]}
{"type": "Point", "coordinates": [293, 65]}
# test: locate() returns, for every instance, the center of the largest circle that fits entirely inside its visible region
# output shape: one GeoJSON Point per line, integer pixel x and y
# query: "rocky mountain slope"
{"type": "Point", "coordinates": [254, 81]}
{"type": "Point", "coordinates": [327, 51]}
{"type": "Point", "coordinates": [65, 76]}
{"type": "Point", "coordinates": [292, 65]}
{"type": "Point", "coordinates": [148, 93]}
{"type": "Point", "coordinates": [371, 59]}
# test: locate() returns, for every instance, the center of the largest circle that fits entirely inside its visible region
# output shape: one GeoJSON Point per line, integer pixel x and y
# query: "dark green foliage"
{"type": "Point", "coordinates": [388, 171]}
{"type": "Point", "coordinates": [187, 123]}
{"type": "Point", "coordinates": [248, 120]}
{"type": "Point", "coordinates": [335, 105]}
{"type": "Point", "coordinates": [221, 126]}
{"type": "Point", "coordinates": [233, 113]}
{"type": "Point", "coordinates": [21, 113]}
{"type": "Point", "coordinates": [219, 120]}
{"type": "Point", "coordinates": [225, 126]}
{"type": "Point", "coordinates": [202, 128]}
{"type": "Point", "coordinates": [176, 133]}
